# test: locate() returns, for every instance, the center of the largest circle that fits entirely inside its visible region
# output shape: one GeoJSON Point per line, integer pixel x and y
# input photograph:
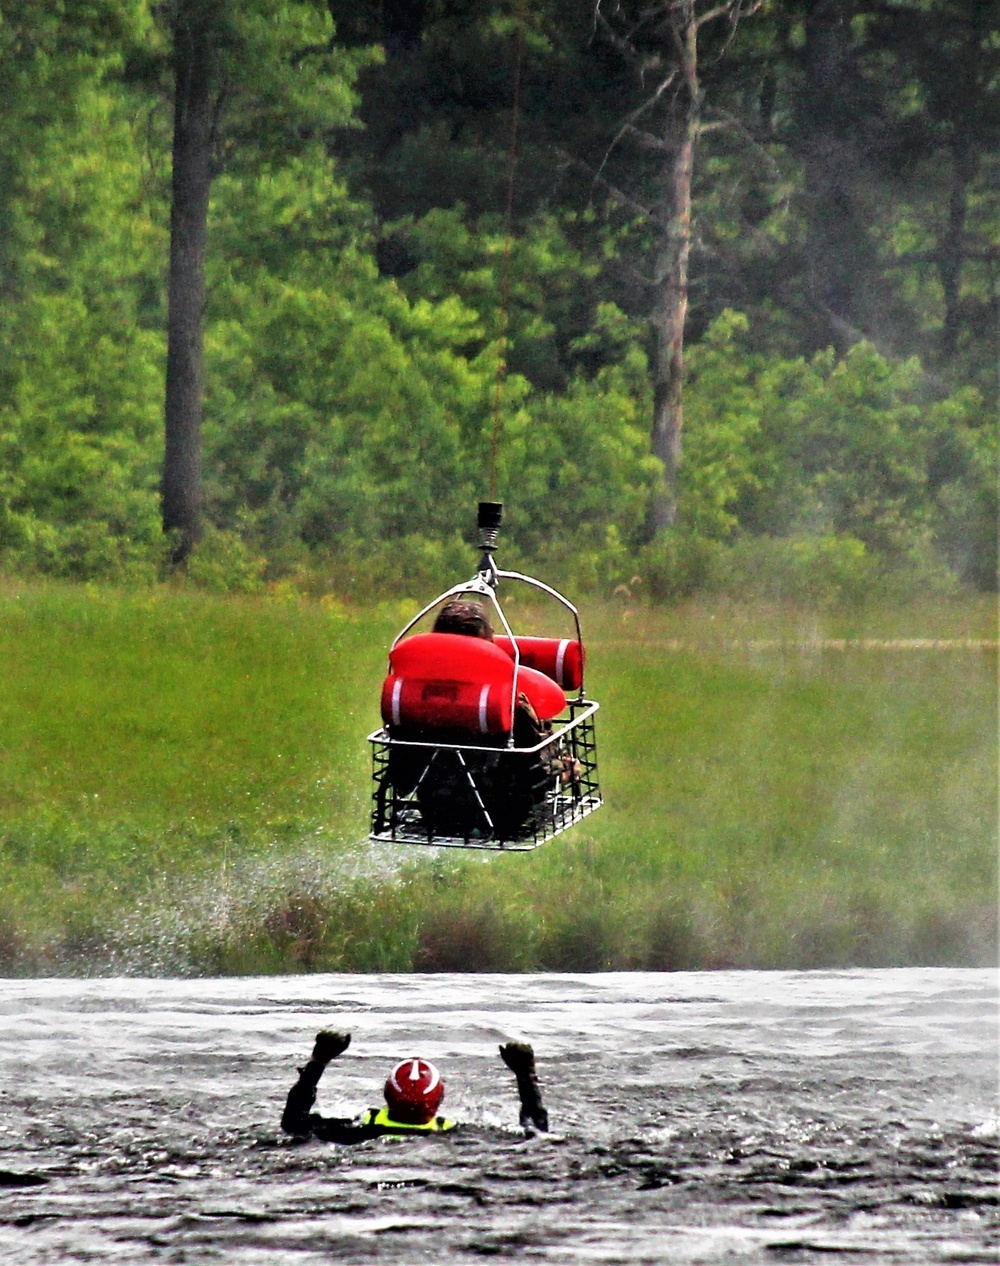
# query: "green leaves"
{"type": "Point", "coordinates": [81, 385]}
{"type": "Point", "coordinates": [352, 385]}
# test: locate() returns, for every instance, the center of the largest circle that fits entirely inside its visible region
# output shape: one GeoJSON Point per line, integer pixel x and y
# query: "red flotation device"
{"type": "Point", "coordinates": [559, 658]}
{"type": "Point", "coordinates": [453, 681]}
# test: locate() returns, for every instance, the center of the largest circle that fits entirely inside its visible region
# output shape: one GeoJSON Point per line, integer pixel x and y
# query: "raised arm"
{"type": "Point", "coordinates": [297, 1117]}
{"type": "Point", "coordinates": [520, 1059]}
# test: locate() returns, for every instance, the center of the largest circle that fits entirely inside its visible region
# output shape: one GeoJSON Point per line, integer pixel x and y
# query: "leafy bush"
{"type": "Point", "coordinates": [223, 563]}
{"type": "Point", "coordinates": [965, 477]}
{"type": "Point", "coordinates": [678, 564]}
{"type": "Point", "coordinates": [825, 569]}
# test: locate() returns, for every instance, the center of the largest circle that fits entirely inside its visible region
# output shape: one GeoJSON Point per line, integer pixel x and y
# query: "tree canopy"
{"type": "Point", "coordinates": [842, 288]}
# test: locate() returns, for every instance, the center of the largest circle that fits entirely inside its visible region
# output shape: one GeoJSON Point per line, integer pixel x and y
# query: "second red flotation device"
{"type": "Point", "coordinates": [560, 658]}
{"type": "Point", "coordinates": [449, 680]}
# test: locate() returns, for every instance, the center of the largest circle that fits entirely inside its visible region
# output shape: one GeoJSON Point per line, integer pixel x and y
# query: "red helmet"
{"type": "Point", "coordinates": [413, 1091]}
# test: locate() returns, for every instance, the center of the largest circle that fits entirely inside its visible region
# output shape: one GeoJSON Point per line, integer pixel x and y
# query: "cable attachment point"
{"type": "Point", "coordinates": [488, 522]}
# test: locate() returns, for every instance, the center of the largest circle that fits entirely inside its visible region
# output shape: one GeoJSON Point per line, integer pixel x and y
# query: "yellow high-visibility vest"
{"type": "Point", "coordinates": [380, 1116]}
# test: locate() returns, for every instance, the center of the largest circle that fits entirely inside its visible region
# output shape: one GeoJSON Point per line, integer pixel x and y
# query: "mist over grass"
{"type": "Point", "coordinates": [184, 787]}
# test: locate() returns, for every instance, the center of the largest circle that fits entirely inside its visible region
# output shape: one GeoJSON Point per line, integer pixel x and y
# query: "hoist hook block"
{"type": "Point", "coordinates": [488, 522]}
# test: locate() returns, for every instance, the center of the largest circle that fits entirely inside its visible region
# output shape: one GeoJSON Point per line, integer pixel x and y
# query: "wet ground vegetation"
{"type": "Point", "coordinates": [184, 788]}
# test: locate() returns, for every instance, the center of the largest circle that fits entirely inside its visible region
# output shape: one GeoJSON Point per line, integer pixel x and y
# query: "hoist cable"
{"type": "Point", "coordinates": [506, 260]}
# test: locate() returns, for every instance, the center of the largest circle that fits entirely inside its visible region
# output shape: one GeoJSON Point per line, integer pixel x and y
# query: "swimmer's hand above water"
{"type": "Point", "coordinates": [518, 1056]}
{"type": "Point", "coordinates": [329, 1045]}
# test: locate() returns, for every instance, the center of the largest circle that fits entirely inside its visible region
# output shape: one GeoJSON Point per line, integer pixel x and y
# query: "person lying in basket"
{"type": "Point", "coordinates": [513, 788]}
{"type": "Point", "coordinates": [413, 1094]}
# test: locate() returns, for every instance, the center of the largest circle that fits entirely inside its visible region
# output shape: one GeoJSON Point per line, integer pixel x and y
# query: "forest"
{"type": "Point", "coordinates": [707, 292]}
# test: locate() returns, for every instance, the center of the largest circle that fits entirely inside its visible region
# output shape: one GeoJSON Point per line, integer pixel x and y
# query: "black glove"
{"type": "Point", "coordinates": [329, 1045]}
{"type": "Point", "coordinates": [519, 1057]}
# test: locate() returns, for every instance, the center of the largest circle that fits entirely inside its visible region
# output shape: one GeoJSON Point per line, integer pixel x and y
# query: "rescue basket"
{"type": "Point", "coordinates": [480, 746]}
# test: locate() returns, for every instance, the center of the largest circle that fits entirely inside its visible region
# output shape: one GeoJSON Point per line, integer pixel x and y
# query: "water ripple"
{"type": "Point", "coordinates": [699, 1117]}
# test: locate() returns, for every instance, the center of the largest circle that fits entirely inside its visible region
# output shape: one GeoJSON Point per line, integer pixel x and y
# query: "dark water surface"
{"type": "Point", "coordinates": [698, 1117]}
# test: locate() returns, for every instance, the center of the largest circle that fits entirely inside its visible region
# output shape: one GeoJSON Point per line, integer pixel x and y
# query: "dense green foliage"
{"type": "Point", "coordinates": [184, 787]}
{"type": "Point", "coordinates": [840, 432]}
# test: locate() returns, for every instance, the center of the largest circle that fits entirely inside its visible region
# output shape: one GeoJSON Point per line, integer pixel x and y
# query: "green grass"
{"type": "Point", "coordinates": [184, 787]}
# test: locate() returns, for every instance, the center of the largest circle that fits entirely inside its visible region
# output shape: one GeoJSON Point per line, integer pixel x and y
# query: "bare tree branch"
{"type": "Point", "coordinates": [743, 9]}
{"type": "Point", "coordinates": [733, 10]}
{"type": "Point", "coordinates": [637, 114]}
{"type": "Point", "coordinates": [647, 140]}
{"type": "Point", "coordinates": [626, 199]}
{"type": "Point", "coordinates": [734, 124]}
{"type": "Point", "coordinates": [643, 62]}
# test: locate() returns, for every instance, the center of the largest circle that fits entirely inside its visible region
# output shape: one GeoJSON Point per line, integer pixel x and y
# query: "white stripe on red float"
{"type": "Point", "coordinates": [560, 658]}
{"type": "Point", "coordinates": [484, 695]}
{"type": "Point", "coordinates": [397, 690]}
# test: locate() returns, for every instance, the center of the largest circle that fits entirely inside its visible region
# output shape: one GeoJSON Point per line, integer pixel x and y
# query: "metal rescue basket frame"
{"type": "Point", "coordinates": [476, 773]}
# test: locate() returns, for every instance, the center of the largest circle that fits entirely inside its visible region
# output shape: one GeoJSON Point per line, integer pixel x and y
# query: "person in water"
{"type": "Point", "coordinates": [413, 1093]}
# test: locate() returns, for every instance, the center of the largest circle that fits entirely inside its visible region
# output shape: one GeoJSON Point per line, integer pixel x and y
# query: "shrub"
{"type": "Point", "coordinates": [678, 564]}
{"type": "Point", "coordinates": [224, 563]}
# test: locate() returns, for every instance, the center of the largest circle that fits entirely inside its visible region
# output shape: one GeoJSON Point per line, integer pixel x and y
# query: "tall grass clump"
{"type": "Point", "coordinates": [184, 787]}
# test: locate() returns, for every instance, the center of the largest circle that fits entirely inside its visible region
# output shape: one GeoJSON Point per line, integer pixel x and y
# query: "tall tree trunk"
{"type": "Point", "coordinates": [671, 294]}
{"type": "Point", "coordinates": [191, 182]}
{"type": "Point", "coordinates": [659, 38]}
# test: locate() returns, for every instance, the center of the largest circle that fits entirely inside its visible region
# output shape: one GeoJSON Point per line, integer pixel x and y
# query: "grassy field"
{"type": "Point", "coordinates": [184, 788]}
